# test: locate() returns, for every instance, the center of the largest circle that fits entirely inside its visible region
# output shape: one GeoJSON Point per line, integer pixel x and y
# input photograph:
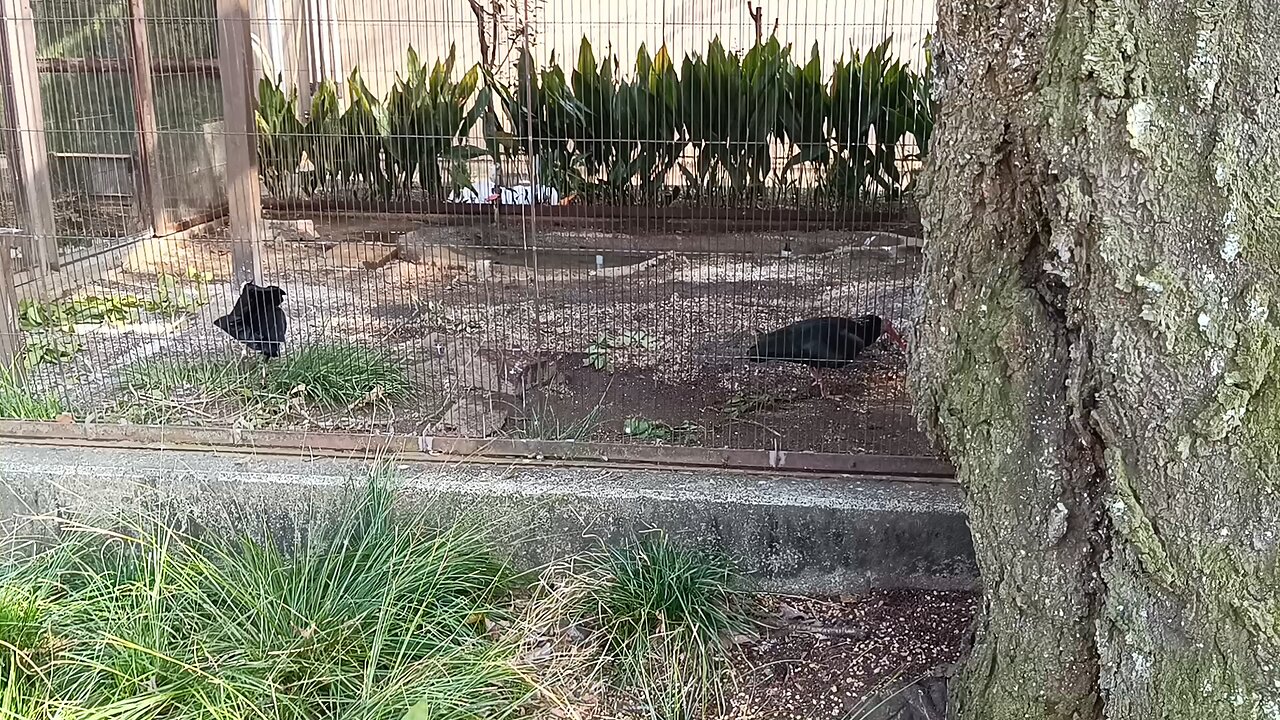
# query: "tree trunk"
{"type": "Point", "coordinates": [1099, 350]}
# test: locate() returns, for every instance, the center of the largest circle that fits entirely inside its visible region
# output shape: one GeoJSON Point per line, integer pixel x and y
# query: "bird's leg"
{"type": "Point", "coordinates": [822, 388]}
{"type": "Point", "coordinates": [817, 382]}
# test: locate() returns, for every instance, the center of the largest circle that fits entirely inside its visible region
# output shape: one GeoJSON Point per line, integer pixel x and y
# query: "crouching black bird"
{"type": "Point", "coordinates": [823, 342]}
{"type": "Point", "coordinates": [257, 319]}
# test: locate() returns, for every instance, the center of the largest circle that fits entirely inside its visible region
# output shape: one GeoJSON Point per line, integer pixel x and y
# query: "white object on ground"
{"type": "Point", "coordinates": [519, 194]}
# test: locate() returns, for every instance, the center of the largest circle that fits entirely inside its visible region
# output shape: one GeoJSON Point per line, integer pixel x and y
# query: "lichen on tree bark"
{"type": "Point", "coordinates": [1099, 350]}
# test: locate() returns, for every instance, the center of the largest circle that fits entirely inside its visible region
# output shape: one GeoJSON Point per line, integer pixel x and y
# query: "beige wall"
{"type": "Point", "coordinates": [375, 33]}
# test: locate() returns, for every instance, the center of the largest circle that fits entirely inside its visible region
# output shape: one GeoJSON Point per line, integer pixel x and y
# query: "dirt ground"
{"type": "Point", "coordinates": [846, 657]}
{"type": "Point", "coordinates": [885, 655]}
{"type": "Point", "coordinates": [572, 341]}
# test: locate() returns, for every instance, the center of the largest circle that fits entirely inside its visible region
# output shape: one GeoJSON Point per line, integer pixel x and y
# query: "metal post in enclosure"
{"type": "Point", "coordinates": [24, 135]}
{"type": "Point", "coordinates": [145, 110]}
{"type": "Point", "coordinates": [244, 194]}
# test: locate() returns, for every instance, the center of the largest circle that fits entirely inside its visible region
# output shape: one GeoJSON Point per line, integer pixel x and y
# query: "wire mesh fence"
{"type": "Point", "coordinates": [489, 218]}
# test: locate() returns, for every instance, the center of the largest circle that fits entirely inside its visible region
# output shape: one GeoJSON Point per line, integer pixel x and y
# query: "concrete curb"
{"type": "Point", "coordinates": [804, 535]}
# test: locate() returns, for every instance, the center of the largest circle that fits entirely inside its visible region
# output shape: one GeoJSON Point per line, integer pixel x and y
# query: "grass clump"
{"type": "Point", "coordinates": [370, 616]}
{"type": "Point", "coordinates": [217, 377]}
{"type": "Point", "coordinates": [21, 630]}
{"type": "Point", "coordinates": [339, 375]}
{"type": "Point", "coordinates": [320, 377]}
{"type": "Point", "coordinates": [366, 621]}
{"type": "Point", "coordinates": [19, 403]}
{"type": "Point", "coordinates": [665, 614]}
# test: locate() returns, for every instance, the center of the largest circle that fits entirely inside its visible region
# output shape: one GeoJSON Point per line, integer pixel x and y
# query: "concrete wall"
{"type": "Point", "coordinates": [797, 535]}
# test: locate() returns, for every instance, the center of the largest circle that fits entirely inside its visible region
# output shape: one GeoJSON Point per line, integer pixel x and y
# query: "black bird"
{"type": "Point", "coordinates": [257, 319]}
{"type": "Point", "coordinates": [823, 342]}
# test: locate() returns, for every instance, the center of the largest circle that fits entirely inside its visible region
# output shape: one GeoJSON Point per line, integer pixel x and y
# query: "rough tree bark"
{"type": "Point", "coordinates": [1099, 350]}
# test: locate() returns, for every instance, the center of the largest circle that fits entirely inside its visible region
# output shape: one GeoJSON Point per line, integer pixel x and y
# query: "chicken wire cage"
{"type": "Point", "coordinates": [506, 219]}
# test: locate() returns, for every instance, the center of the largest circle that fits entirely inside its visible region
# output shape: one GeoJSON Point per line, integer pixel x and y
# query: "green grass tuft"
{"type": "Point", "coordinates": [653, 585]}
{"type": "Point", "coordinates": [217, 377]}
{"type": "Point", "coordinates": [21, 630]}
{"type": "Point", "coordinates": [19, 403]}
{"type": "Point", "coordinates": [321, 377]}
{"type": "Point", "coordinates": [339, 375]}
{"type": "Point", "coordinates": [665, 614]}
{"type": "Point", "coordinates": [371, 615]}
{"type": "Point", "coordinates": [369, 619]}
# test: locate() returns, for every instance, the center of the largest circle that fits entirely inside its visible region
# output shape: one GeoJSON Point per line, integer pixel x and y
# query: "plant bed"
{"type": "Point", "coordinates": [373, 615]}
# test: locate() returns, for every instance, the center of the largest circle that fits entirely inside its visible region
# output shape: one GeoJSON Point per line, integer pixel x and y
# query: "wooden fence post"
{"type": "Point", "coordinates": [244, 193]}
{"type": "Point", "coordinates": [11, 340]}
{"type": "Point", "coordinates": [24, 136]}
{"type": "Point", "coordinates": [144, 106]}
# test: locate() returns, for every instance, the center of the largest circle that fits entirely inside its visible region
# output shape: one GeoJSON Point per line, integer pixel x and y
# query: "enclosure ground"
{"type": "Point", "coordinates": [592, 335]}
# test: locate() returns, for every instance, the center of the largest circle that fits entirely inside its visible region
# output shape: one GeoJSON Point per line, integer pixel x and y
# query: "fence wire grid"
{"type": "Point", "coordinates": [490, 218]}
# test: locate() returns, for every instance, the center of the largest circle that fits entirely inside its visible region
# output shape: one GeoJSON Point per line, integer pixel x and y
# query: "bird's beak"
{"type": "Point", "coordinates": [892, 333]}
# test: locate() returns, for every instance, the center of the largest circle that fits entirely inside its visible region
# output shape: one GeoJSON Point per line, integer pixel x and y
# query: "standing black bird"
{"type": "Point", "coordinates": [823, 342]}
{"type": "Point", "coordinates": [257, 319]}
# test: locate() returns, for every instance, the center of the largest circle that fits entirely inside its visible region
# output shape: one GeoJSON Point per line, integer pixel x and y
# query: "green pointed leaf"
{"type": "Point", "coordinates": [586, 59]}
{"type": "Point", "coordinates": [467, 85]}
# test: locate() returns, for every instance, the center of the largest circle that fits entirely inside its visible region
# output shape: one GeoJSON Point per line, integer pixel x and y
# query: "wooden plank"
{"type": "Point", "coordinates": [622, 217]}
{"type": "Point", "coordinates": [105, 66]}
{"type": "Point", "coordinates": [244, 193]}
{"type": "Point", "coordinates": [192, 226]}
{"type": "Point", "coordinates": [681, 456]}
{"type": "Point", "coordinates": [24, 134]}
{"type": "Point", "coordinates": [459, 450]}
{"type": "Point", "coordinates": [144, 106]}
{"type": "Point", "coordinates": [362, 255]}
{"type": "Point", "coordinates": [10, 333]}
{"type": "Point", "coordinates": [779, 216]}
